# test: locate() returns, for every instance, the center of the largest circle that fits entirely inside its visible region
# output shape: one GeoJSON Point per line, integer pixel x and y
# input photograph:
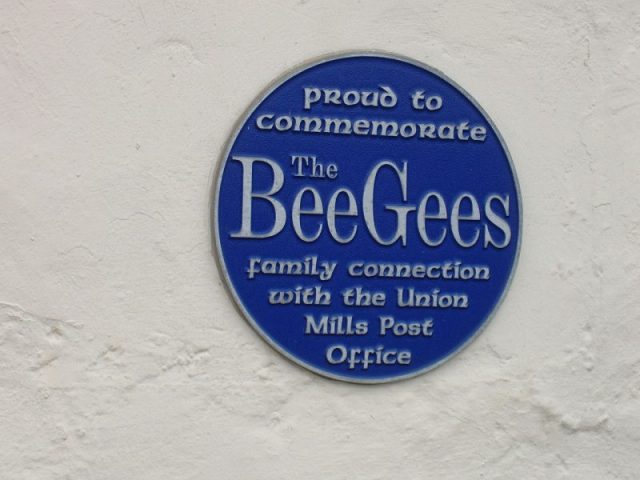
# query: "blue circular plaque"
{"type": "Point", "coordinates": [366, 217]}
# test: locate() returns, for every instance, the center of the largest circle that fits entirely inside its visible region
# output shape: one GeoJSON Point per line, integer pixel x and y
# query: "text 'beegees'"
{"type": "Point", "coordinates": [432, 226]}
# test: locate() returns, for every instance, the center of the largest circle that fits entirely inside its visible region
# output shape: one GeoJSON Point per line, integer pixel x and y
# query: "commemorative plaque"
{"type": "Point", "coordinates": [366, 217]}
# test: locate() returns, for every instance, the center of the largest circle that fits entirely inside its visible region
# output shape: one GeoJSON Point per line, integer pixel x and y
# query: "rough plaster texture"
{"type": "Point", "coordinates": [121, 355]}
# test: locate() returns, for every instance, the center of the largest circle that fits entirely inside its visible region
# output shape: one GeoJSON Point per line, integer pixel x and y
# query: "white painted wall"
{"type": "Point", "coordinates": [121, 355]}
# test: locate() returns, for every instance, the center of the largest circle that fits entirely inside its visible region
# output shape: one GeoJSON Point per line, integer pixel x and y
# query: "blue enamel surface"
{"type": "Point", "coordinates": [445, 166]}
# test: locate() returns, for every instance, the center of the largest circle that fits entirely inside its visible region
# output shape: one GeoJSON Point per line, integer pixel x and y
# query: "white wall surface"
{"type": "Point", "coordinates": [121, 354]}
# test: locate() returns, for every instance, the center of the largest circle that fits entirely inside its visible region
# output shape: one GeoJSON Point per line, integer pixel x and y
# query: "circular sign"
{"type": "Point", "coordinates": [366, 217]}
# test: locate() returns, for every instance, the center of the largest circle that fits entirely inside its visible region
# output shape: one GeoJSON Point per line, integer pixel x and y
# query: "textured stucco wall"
{"type": "Point", "coordinates": [121, 355]}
